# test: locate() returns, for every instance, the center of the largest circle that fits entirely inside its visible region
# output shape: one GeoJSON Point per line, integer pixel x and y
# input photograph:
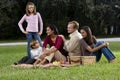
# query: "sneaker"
{"type": "Point", "coordinates": [15, 63]}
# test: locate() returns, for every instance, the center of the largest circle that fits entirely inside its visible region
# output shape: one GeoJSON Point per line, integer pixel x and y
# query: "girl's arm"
{"type": "Point", "coordinates": [20, 23]}
{"type": "Point", "coordinates": [40, 23]}
{"type": "Point", "coordinates": [96, 48]}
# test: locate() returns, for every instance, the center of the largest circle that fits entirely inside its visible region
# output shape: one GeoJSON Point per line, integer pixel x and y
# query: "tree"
{"type": "Point", "coordinates": [98, 14]}
{"type": "Point", "coordinates": [8, 18]}
{"type": "Point", "coordinates": [55, 12]}
{"type": "Point", "coordinates": [102, 15]}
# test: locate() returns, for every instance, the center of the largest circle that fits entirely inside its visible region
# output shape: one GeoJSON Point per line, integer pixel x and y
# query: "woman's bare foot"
{"type": "Point", "coordinates": [113, 61]}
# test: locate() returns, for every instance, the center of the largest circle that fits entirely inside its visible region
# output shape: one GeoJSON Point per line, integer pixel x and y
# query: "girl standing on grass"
{"type": "Point", "coordinates": [33, 19]}
{"type": "Point", "coordinates": [90, 46]}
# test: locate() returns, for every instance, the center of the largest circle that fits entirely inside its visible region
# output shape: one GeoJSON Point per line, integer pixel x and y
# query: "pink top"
{"type": "Point", "coordinates": [59, 43]}
{"type": "Point", "coordinates": [32, 23]}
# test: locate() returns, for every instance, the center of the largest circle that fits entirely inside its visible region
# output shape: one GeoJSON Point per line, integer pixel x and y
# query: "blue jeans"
{"type": "Point", "coordinates": [30, 36]}
{"type": "Point", "coordinates": [106, 52]}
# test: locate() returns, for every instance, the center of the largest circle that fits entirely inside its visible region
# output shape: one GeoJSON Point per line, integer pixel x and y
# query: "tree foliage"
{"type": "Point", "coordinates": [98, 14]}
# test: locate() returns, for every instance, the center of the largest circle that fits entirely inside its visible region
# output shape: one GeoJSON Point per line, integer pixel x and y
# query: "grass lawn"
{"type": "Point", "coordinates": [100, 71]}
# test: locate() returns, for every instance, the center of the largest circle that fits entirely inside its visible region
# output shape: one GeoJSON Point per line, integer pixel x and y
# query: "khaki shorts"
{"type": "Point", "coordinates": [57, 56]}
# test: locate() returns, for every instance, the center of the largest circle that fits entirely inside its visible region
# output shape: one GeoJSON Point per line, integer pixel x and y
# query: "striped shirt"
{"type": "Point", "coordinates": [32, 23]}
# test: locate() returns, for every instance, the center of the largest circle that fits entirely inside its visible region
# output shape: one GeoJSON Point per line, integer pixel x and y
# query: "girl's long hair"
{"type": "Point", "coordinates": [27, 11]}
{"type": "Point", "coordinates": [89, 38]}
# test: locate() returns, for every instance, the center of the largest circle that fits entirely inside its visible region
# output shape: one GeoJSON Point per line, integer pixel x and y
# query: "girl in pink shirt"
{"type": "Point", "coordinates": [33, 20]}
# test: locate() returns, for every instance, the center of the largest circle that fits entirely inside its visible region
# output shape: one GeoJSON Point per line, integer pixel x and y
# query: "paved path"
{"type": "Point", "coordinates": [109, 39]}
{"type": "Point", "coordinates": [25, 43]}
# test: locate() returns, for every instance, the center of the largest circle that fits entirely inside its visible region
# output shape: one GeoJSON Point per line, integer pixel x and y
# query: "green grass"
{"type": "Point", "coordinates": [100, 71]}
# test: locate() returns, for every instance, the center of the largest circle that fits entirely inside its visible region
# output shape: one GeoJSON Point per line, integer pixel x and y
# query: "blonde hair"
{"type": "Point", "coordinates": [32, 44]}
{"type": "Point", "coordinates": [27, 11]}
{"type": "Point", "coordinates": [75, 24]}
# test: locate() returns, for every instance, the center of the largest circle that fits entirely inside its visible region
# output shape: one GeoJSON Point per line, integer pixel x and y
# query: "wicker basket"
{"type": "Point", "coordinates": [88, 60]}
{"type": "Point", "coordinates": [74, 60]}
{"type": "Point", "coordinates": [82, 60]}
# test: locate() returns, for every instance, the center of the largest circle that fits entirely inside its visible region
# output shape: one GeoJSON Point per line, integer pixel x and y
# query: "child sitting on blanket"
{"type": "Point", "coordinates": [36, 51]}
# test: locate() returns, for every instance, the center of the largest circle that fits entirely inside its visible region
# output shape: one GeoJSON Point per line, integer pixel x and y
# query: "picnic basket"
{"type": "Point", "coordinates": [82, 60]}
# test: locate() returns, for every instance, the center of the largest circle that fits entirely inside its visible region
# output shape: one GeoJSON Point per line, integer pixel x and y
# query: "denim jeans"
{"type": "Point", "coordinates": [26, 60]}
{"type": "Point", "coordinates": [30, 36]}
{"type": "Point", "coordinates": [106, 52]}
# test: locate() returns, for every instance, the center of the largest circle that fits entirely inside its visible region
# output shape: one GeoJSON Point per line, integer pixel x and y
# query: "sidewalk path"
{"type": "Point", "coordinates": [25, 43]}
{"type": "Point", "coordinates": [13, 43]}
{"type": "Point", "coordinates": [109, 39]}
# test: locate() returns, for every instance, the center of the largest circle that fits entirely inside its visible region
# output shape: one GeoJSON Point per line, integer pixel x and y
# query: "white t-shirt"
{"type": "Point", "coordinates": [35, 53]}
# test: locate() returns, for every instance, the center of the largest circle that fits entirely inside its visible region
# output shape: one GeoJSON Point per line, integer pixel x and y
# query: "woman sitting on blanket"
{"type": "Point", "coordinates": [56, 44]}
{"type": "Point", "coordinates": [90, 46]}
